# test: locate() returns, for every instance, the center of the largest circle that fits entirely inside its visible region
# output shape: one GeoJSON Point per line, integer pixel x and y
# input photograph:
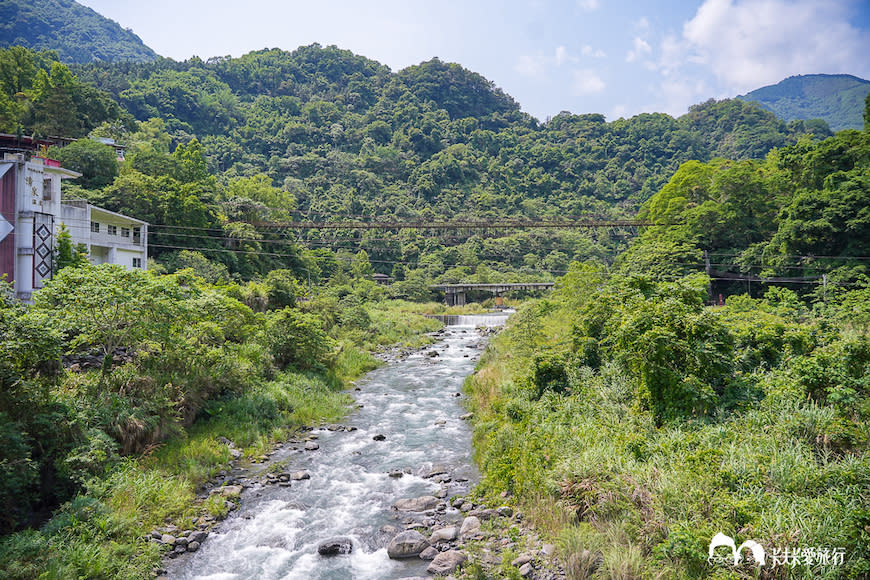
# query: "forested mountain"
{"type": "Point", "coordinates": [837, 99]}
{"type": "Point", "coordinates": [616, 398]}
{"type": "Point", "coordinates": [432, 136]}
{"type": "Point", "coordinates": [75, 32]}
{"type": "Point", "coordinates": [325, 134]}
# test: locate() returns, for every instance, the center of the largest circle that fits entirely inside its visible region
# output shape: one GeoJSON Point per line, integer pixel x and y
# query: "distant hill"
{"type": "Point", "coordinates": [76, 32]}
{"type": "Point", "coordinates": [838, 99]}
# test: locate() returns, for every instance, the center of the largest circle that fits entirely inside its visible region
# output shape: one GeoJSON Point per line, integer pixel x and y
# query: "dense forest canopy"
{"type": "Point", "coordinates": [342, 135]}
{"type": "Point", "coordinates": [322, 134]}
{"type": "Point", "coordinates": [75, 32]}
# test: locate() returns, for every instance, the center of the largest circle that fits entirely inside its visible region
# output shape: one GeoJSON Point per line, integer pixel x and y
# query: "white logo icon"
{"type": "Point", "coordinates": [720, 540]}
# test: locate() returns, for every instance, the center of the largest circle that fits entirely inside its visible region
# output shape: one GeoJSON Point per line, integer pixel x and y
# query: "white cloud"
{"type": "Point", "coordinates": [641, 48]}
{"type": "Point", "coordinates": [641, 26]}
{"type": "Point", "coordinates": [678, 93]}
{"type": "Point", "coordinates": [618, 111]}
{"type": "Point", "coordinates": [587, 82]}
{"type": "Point", "coordinates": [531, 65]}
{"type": "Point", "coordinates": [537, 65]}
{"type": "Point", "coordinates": [588, 5]}
{"type": "Point", "coordinates": [751, 43]}
{"type": "Point", "coordinates": [593, 52]}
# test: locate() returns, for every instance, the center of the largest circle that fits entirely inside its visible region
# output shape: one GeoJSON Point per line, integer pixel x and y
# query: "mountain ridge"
{"type": "Point", "coordinates": [838, 99]}
{"type": "Point", "coordinates": [77, 33]}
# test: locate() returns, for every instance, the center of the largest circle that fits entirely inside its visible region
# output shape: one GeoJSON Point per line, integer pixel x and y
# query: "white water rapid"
{"type": "Point", "coordinates": [413, 402]}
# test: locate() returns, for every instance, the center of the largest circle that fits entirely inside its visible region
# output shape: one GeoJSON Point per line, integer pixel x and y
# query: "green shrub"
{"type": "Point", "coordinates": [297, 339]}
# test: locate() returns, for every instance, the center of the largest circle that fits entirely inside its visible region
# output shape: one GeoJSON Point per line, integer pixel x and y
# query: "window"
{"type": "Point", "coordinates": [113, 230]}
{"type": "Point", "coordinates": [125, 232]}
{"type": "Point", "coordinates": [137, 262]}
{"type": "Point", "coordinates": [46, 189]}
{"type": "Point", "coordinates": [137, 235]}
{"type": "Point", "coordinates": [95, 227]}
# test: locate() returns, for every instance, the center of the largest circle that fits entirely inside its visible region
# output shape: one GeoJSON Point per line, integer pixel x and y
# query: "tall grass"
{"type": "Point", "coordinates": [625, 497]}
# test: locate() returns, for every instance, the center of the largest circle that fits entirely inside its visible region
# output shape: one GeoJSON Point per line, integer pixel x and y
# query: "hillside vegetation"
{"type": "Point", "coordinates": [636, 421]}
{"type": "Point", "coordinates": [708, 374]}
{"type": "Point", "coordinates": [322, 134]}
{"type": "Point", "coordinates": [75, 32]}
{"type": "Point", "coordinates": [835, 99]}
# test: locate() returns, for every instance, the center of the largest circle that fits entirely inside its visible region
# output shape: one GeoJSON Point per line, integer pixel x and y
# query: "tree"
{"type": "Point", "coordinates": [54, 109]}
{"type": "Point", "coordinates": [867, 112]}
{"type": "Point", "coordinates": [192, 164]}
{"type": "Point", "coordinates": [282, 288]}
{"type": "Point", "coordinates": [109, 306]}
{"type": "Point", "coordinates": [259, 188]}
{"type": "Point", "coordinates": [65, 253]}
{"type": "Point", "coordinates": [297, 339]}
{"type": "Point", "coordinates": [360, 266]}
{"type": "Point", "coordinates": [96, 161]}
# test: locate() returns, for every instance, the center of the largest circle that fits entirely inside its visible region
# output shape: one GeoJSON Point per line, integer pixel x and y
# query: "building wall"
{"type": "Point", "coordinates": [7, 210]}
{"type": "Point", "coordinates": [30, 199]}
{"type": "Point", "coordinates": [119, 248]}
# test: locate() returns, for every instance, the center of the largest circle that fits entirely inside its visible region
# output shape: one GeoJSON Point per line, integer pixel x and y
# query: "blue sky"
{"type": "Point", "coordinates": [616, 57]}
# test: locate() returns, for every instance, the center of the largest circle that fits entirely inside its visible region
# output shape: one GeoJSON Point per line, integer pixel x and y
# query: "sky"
{"type": "Point", "coordinates": [615, 57]}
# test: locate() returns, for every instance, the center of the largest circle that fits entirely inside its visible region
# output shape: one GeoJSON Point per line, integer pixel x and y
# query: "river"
{"type": "Point", "coordinates": [413, 402]}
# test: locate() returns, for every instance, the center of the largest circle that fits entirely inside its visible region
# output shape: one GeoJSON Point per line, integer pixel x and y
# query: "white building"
{"type": "Point", "coordinates": [31, 212]}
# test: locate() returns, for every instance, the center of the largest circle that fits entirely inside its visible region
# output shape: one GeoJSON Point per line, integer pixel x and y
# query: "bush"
{"type": "Point", "coordinates": [297, 339]}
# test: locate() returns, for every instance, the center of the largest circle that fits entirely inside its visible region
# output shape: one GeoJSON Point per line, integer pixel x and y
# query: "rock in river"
{"type": "Point", "coordinates": [417, 504]}
{"type": "Point", "coordinates": [446, 562]}
{"type": "Point", "coordinates": [447, 534]}
{"type": "Point", "coordinates": [429, 553]}
{"type": "Point", "coordinates": [470, 526]}
{"type": "Point", "coordinates": [407, 545]}
{"type": "Point", "coordinates": [335, 546]}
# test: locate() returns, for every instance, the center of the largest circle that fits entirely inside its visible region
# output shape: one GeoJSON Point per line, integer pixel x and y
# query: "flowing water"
{"type": "Point", "coordinates": [414, 403]}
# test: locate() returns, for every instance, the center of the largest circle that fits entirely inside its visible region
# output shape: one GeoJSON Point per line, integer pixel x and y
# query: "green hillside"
{"type": "Point", "coordinates": [75, 32]}
{"type": "Point", "coordinates": [704, 374]}
{"type": "Point", "coordinates": [838, 99]}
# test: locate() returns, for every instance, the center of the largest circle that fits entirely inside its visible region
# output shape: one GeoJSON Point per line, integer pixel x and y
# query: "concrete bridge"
{"type": "Point", "coordinates": [454, 294]}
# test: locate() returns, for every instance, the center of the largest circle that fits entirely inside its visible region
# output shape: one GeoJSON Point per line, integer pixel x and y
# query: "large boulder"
{"type": "Point", "coordinates": [446, 562]}
{"type": "Point", "coordinates": [444, 535]}
{"type": "Point", "coordinates": [417, 504]}
{"type": "Point", "coordinates": [470, 526]}
{"type": "Point", "coordinates": [335, 546]}
{"type": "Point", "coordinates": [429, 553]}
{"type": "Point", "coordinates": [407, 545]}
{"type": "Point", "coordinates": [228, 491]}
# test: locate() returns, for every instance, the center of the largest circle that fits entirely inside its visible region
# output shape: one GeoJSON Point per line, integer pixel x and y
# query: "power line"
{"type": "Point", "coordinates": [460, 224]}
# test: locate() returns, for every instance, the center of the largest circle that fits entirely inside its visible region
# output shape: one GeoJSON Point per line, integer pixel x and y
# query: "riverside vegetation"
{"type": "Point", "coordinates": [122, 446]}
{"type": "Point", "coordinates": [636, 422]}
{"type": "Point", "coordinates": [625, 415]}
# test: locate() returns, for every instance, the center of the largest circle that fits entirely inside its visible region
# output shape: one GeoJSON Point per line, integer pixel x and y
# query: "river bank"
{"type": "Point", "coordinates": [177, 409]}
{"type": "Point", "coordinates": [399, 465]}
{"type": "Point", "coordinates": [406, 423]}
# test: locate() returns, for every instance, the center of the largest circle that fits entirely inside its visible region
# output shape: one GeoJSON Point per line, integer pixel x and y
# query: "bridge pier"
{"type": "Point", "coordinates": [455, 298]}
